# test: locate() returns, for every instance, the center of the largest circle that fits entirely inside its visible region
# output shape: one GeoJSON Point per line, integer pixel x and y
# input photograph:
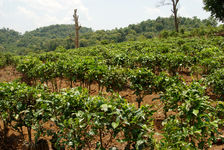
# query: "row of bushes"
{"type": "Point", "coordinates": [81, 121]}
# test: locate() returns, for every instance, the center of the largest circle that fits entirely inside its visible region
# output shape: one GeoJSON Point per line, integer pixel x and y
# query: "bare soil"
{"type": "Point", "coordinates": [9, 74]}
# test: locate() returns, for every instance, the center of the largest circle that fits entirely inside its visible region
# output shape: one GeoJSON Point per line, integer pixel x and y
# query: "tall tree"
{"type": "Point", "coordinates": [216, 7]}
{"type": "Point", "coordinates": [77, 28]}
{"type": "Point", "coordinates": [174, 10]}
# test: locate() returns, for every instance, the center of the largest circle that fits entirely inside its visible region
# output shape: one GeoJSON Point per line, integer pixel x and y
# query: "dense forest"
{"type": "Point", "coordinates": [49, 38]}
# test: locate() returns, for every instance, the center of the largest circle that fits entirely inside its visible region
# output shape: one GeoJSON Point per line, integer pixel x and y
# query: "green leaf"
{"type": "Point", "coordinates": [104, 107]}
{"type": "Point", "coordinates": [70, 121]}
{"type": "Point", "coordinates": [198, 132]}
{"type": "Point", "coordinates": [115, 124]}
{"type": "Point", "coordinates": [17, 116]}
{"type": "Point", "coordinates": [139, 142]}
{"type": "Point", "coordinates": [195, 112]}
{"type": "Point", "coordinates": [44, 106]}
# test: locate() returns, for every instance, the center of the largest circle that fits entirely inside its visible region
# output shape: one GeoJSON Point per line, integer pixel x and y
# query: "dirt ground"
{"type": "Point", "coordinates": [9, 74]}
{"type": "Point", "coordinates": [14, 141]}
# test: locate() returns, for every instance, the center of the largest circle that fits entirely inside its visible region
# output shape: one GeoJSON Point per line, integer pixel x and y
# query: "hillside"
{"type": "Point", "coordinates": [49, 38]}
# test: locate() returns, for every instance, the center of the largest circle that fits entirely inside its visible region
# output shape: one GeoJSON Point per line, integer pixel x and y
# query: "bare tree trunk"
{"type": "Point", "coordinates": [77, 28]}
{"type": "Point", "coordinates": [175, 10]}
{"type": "Point", "coordinates": [30, 138]}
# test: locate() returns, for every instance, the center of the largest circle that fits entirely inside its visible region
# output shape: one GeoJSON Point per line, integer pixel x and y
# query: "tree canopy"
{"type": "Point", "coordinates": [216, 7]}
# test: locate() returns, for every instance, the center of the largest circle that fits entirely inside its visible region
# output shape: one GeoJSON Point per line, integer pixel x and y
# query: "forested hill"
{"type": "Point", "coordinates": [38, 39]}
{"type": "Point", "coordinates": [49, 38]}
{"type": "Point", "coordinates": [56, 31]}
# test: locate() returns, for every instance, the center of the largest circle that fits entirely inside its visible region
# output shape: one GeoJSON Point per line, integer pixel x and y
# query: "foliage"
{"type": "Point", "coordinates": [80, 118]}
{"type": "Point", "coordinates": [142, 81]}
{"type": "Point", "coordinates": [19, 107]}
{"type": "Point", "coordinates": [195, 123]}
{"type": "Point", "coordinates": [216, 7]}
{"type": "Point", "coordinates": [6, 59]}
{"type": "Point", "coordinates": [146, 67]}
{"type": "Point", "coordinates": [216, 81]}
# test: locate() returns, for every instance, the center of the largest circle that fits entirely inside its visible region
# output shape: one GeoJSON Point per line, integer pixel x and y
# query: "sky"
{"type": "Point", "coordinates": [27, 15]}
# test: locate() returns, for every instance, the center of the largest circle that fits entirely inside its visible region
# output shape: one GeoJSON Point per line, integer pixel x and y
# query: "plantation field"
{"type": "Point", "coordinates": [155, 94]}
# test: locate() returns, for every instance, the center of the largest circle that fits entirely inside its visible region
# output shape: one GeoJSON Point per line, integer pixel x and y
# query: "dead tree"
{"type": "Point", "coordinates": [174, 10]}
{"type": "Point", "coordinates": [77, 28]}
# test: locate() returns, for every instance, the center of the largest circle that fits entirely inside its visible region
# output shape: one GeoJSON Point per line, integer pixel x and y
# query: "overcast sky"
{"type": "Point", "coordinates": [26, 15]}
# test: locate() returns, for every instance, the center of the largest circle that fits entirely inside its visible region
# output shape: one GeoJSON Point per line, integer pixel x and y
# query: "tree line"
{"type": "Point", "coordinates": [49, 38]}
